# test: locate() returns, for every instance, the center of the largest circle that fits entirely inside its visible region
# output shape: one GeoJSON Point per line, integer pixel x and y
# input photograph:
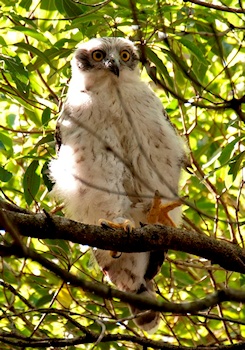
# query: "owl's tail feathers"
{"type": "Point", "coordinates": [148, 320]}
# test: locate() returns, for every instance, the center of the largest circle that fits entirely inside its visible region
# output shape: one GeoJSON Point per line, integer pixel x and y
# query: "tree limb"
{"type": "Point", "coordinates": [19, 341]}
{"type": "Point", "coordinates": [147, 238]}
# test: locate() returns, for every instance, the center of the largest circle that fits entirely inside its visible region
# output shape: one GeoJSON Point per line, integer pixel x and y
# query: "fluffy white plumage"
{"type": "Point", "coordinates": [117, 147]}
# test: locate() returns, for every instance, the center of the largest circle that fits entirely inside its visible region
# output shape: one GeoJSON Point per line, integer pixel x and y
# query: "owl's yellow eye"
{"type": "Point", "coordinates": [125, 55]}
{"type": "Point", "coordinates": [98, 55]}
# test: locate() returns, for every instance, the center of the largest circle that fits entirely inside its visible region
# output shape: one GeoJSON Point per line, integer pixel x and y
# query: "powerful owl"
{"type": "Point", "coordinates": [119, 159]}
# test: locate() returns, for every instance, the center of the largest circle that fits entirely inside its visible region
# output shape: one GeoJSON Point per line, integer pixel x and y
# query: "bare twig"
{"type": "Point", "coordinates": [216, 7]}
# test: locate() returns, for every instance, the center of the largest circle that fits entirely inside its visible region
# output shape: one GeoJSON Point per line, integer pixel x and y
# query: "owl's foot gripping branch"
{"type": "Point", "coordinates": [127, 225]}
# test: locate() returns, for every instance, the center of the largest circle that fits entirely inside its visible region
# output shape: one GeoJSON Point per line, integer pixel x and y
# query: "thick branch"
{"type": "Point", "coordinates": [147, 238]}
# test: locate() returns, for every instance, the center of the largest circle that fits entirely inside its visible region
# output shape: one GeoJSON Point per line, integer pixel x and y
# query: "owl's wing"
{"type": "Point", "coordinates": [57, 133]}
{"type": "Point", "coordinates": [185, 161]}
{"type": "Point", "coordinates": [57, 137]}
{"type": "Point", "coordinates": [166, 116]}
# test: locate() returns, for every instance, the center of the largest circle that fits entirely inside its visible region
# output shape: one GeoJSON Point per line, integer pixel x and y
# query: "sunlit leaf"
{"type": "Point", "coordinates": [45, 300]}
{"type": "Point", "coordinates": [194, 49]}
{"type": "Point", "coordinates": [160, 66]}
{"type": "Point", "coordinates": [31, 182]}
{"type": "Point", "coordinates": [6, 142]}
{"type": "Point", "coordinates": [69, 8]}
{"type": "Point", "coordinates": [46, 116]}
{"type": "Point", "coordinates": [64, 297]}
{"type": "Point", "coordinates": [5, 175]}
{"type": "Point", "coordinates": [36, 51]}
{"type": "Point", "coordinates": [18, 72]}
{"type": "Point", "coordinates": [236, 164]}
{"type": "Point", "coordinates": [31, 32]}
{"type": "Point", "coordinates": [10, 119]}
{"type": "Point", "coordinates": [25, 3]}
{"type": "Point", "coordinates": [228, 150]}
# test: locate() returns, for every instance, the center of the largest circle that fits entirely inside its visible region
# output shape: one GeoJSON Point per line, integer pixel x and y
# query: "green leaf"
{"type": "Point", "coordinates": [183, 66]}
{"type": "Point", "coordinates": [11, 119]}
{"type": "Point", "coordinates": [242, 280]}
{"type": "Point", "coordinates": [31, 182]}
{"type": "Point", "coordinates": [235, 164]}
{"type": "Point", "coordinates": [31, 32]}
{"type": "Point", "coordinates": [50, 54]}
{"type": "Point", "coordinates": [37, 52]}
{"type": "Point", "coordinates": [227, 151]}
{"type": "Point", "coordinates": [49, 6]}
{"type": "Point", "coordinates": [45, 139]}
{"type": "Point", "coordinates": [5, 175]}
{"type": "Point", "coordinates": [68, 7]}
{"type": "Point", "coordinates": [159, 64]}
{"type": "Point", "coordinates": [44, 300]}
{"type": "Point", "coordinates": [71, 9]}
{"type": "Point", "coordinates": [8, 275]}
{"type": "Point", "coordinates": [194, 49]}
{"type": "Point", "coordinates": [182, 279]}
{"type": "Point", "coordinates": [45, 174]}
{"type": "Point", "coordinates": [1, 145]}
{"type": "Point", "coordinates": [25, 3]}
{"type": "Point", "coordinates": [46, 116]}
{"type": "Point", "coordinates": [2, 41]}
{"type": "Point", "coordinates": [18, 72]}
{"type": "Point", "coordinates": [7, 143]}
{"type": "Point", "coordinates": [58, 246]}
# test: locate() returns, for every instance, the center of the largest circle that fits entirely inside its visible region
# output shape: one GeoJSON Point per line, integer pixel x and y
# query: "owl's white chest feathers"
{"type": "Point", "coordinates": [118, 149]}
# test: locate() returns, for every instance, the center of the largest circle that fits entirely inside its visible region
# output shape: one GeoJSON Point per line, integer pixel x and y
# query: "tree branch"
{"type": "Point", "coordinates": [147, 238]}
{"type": "Point", "coordinates": [92, 337]}
{"type": "Point", "coordinates": [216, 7]}
{"type": "Point", "coordinates": [107, 292]}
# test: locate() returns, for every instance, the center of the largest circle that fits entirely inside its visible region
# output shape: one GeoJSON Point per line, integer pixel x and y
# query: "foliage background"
{"type": "Point", "coordinates": [194, 53]}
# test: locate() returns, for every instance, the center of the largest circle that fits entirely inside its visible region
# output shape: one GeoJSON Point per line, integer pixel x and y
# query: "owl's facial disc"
{"type": "Point", "coordinates": [107, 56]}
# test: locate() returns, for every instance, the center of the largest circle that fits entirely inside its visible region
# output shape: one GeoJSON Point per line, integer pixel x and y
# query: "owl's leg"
{"type": "Point", "coordinates": [127, 225]}
{"type": "Point", "coordinates": [163, 214]}
{"type": "Point", "coordinates": [158, 212]}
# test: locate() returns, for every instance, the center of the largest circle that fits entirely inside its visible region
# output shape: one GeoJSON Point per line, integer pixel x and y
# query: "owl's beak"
{"type": "Point", "coordinates": [113, 65]}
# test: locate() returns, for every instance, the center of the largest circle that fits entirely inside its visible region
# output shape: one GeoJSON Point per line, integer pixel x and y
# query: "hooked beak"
{"type": "Point", "coordinates": [113, 65]}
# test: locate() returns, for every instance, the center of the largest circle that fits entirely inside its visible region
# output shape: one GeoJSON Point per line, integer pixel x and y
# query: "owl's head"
{"type": "Point", "coordinates": [107, 55]}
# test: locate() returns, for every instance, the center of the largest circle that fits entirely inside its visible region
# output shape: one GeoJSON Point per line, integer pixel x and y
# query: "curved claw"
{"type": "Point", "coordinates": [115, 255]}
{"type": "Point", "coordinates": [127, 225]}
{"type": "Point", "coordinates": [106, 224]}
